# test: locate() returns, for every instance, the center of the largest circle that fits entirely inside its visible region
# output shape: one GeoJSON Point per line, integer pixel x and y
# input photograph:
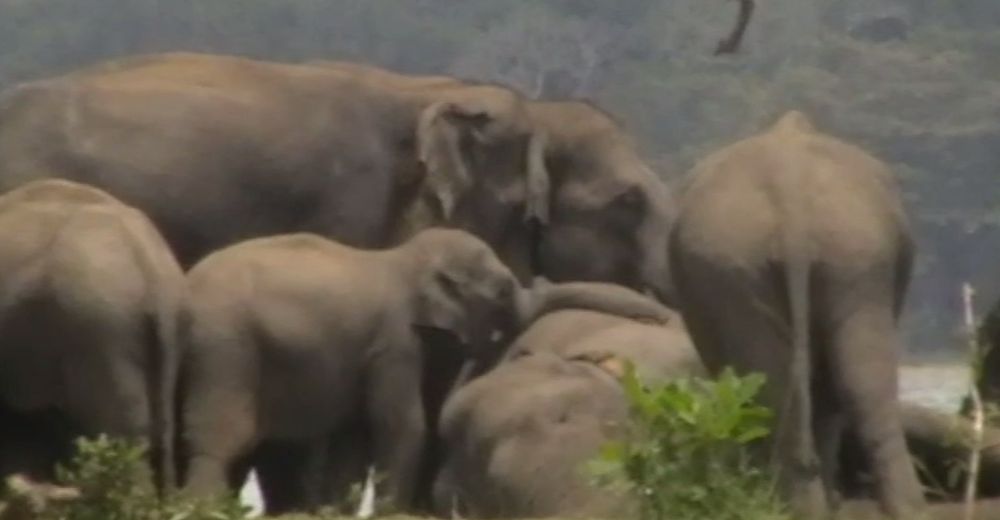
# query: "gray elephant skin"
{"type": "Point", "coordinates": [217, 149]}
{"type": "Point", "coordinates": [88, 327]}
{"type": "Point", "coordinates": [268, 346]}
{"type": "Point", "coordinates": [791, 257]}
{"type": "Point", "coordinates": [517, 438]}
{"type": "Point", "coordinates": [289, 354]}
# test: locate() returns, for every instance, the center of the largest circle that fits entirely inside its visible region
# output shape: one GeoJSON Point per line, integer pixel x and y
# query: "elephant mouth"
{"type": "Point", "coordinates": [434, 333]}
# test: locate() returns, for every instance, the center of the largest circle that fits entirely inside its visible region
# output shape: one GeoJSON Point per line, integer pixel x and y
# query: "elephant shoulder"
{"type": "Point", "coordinates": [59, 195]}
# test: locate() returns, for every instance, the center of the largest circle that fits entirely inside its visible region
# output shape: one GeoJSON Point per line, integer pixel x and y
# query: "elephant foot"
{"type": "Point", "coordinates": [207, 477]}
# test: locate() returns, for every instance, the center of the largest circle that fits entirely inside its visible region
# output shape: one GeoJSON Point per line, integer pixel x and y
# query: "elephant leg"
{"type": "Point", "coordinates": [32, 443]}
{"type": "Point", "coordinates": [396, 415]}
{"type": "Point", "coordinates": [829, 421]}
{"type": "Point", "coordinates": [289, 474]}
{"type": "Point", "coordinates": [444, 362]}
{"type": "Point", "coordinates": [238, 472]}
{"type": "Point", "coordinates": [447, 503]}
{"type": "Point", "coordinates": [830, 429]}
{"type": "Point", "coordinates": [735, 319]}
{"type": "Point", "coordinates": [864, 349]}
{"type": "Point", "coordinates": [220, 431]}
{"type": "Point", "coordinates": [110, 392]}
{"type": "Point", "coordinates": [348, 458]}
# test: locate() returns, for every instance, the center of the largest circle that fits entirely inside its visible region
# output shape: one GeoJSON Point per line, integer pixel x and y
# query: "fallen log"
{"type": "Point", "coordinates": [988, 509]}
{"type": "Point", "coordinates": [939, 443]}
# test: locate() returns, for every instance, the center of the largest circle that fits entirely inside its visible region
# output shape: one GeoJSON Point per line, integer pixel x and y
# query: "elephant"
{"type": "Point", "coordinates": [92, 296]}
{"type": "Point", "coordinates": [603, 213]}
{"type": "Point", "coordinates": [791, 255]}
{"type": "Point", "coordinates": [517, 437]}
{"type": "Point", "coordinates": [217, 149]}
{"type": "Point", "coordinates": [267, 346]}
{"type": "Point", "coordinates": [291, 475]}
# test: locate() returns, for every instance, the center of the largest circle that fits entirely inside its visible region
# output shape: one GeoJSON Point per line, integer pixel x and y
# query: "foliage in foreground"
{"type": "Point", "coordinates": [684, 455]}
{"type": "Point", "coordinates": [112, 481]}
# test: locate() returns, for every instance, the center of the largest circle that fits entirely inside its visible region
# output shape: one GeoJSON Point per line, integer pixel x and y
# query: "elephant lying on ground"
{"type": "Point", "coordinates": [269, 345]}
{"type": "Point", "coordinates": [88, 318]}
{"type": "Point", "coordinates": [288, 472]}
{"type": "Point", "coordinates": [516, 439]}
{"type": "Point", "coordinates": [791, 254]}
{"type": "Point", "coordinates": [218, 149]}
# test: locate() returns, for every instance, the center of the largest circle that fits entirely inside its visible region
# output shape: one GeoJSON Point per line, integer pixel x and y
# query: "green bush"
{"type": "Point", "coordinates": [114, 483]}
{"type": "Point", "coordinates": [684, 455]}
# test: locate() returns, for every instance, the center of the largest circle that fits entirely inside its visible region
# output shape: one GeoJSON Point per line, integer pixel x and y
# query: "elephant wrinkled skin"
{"type": "Point", "coordinates": [88, 326]}
{"type": "Point", "coordinates": [791, 256]}
{"type": "Point", "coordinates": [294, 354]}
{"type": "Point", "coordinates": [217, 149]}
{"type": "Point", "coordinates": [518, 437]}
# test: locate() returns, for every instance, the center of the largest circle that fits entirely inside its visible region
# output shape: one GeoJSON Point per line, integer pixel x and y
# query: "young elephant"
{"type": "Point", "coordinates": [88, 317]}
{"type": "Point", "coordinates": [294, 337]}
{"type": "Point", "coordinates": [516, 439]}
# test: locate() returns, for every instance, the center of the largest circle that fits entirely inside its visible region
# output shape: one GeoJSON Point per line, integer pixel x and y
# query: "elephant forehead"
{"type": "Point", "coordinates": [549, 400]}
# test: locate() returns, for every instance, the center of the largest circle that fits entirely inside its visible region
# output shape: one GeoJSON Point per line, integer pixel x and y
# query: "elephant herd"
{"type": "Point", "coordinates": [309, 268]}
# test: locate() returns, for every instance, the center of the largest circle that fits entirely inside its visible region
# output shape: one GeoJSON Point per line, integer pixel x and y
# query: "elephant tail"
{"type": "Point", "coordinates": [168, 352]}
{"type": "Point", "coordinates": [797, 402]}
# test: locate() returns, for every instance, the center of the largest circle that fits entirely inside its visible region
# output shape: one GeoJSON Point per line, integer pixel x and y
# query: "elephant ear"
{"type": "Point", "coordinates": [538, 182]}
{"type": "Point", "coordinates": [442, 304]}
{"type": "Point", "coordinates": [440, 132]}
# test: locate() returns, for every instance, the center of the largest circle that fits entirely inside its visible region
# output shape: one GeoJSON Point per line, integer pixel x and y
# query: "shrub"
{"type": "Point", "coordinates": [113, 480]}
{"type": "Point", "coordinates": [684, 454]}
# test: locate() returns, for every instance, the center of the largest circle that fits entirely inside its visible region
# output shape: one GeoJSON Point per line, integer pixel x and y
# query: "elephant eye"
{"type": "Point", "coordinates": [448, 284]}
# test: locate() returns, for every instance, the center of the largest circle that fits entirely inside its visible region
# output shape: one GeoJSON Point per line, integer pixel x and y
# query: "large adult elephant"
{"type": "Point", "coordinates": [217, 149]}
{"type": "Point", "coordinates": [518, 437]}
{"type": "Point", "coordinates": [603, 213]}
{"type": "Point", "coordinates": [88, 326]}
{"type": "Point", "coordinates": [792, 254]}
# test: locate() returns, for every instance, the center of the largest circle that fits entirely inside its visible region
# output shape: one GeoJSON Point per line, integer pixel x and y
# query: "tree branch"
{"type": "Point", "coordinates": [731, 43]}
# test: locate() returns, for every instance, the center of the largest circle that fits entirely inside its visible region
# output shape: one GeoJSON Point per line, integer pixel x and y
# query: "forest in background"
{"type": "Point", "coordinates": [917, 82]}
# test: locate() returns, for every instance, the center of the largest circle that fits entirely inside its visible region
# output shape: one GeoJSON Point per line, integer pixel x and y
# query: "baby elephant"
{"type": "Point", "coordinates": [296, 336]}
{"type": "Point", "coordinates": [90, 299]}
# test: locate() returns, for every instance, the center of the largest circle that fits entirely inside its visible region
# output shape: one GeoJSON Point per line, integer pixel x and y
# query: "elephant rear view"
{"type": "Point", "coordinates": [90, 299]}
{"type": "Point", "coordinates": [792, 255]}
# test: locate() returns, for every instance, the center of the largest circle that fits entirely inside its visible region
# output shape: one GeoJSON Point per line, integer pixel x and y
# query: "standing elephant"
{"type": "Point", "coordinates": [792, 254]}
{"type": "Point", "coordinates": [602, 213]}
{"type": "Point", "coordinates": [217, 149]}
{"type": "Point", "coordinates": [278, 354]}
{"type": "Point", "coordinates": [88, 326]}
{"type": "Point", "coordinates": [609, 214]}
{"type": "Point", "coordinates": [517, 438]}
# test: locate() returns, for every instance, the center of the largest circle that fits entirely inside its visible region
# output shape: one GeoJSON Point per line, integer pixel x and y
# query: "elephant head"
{"type": "Point", "coordinates": [608, 215]}
{"type": "Point", "coordinates": [483, 170]}
{"type": "Point", "coordinates": [480, 140]}
{"type": "Point", "coordinates": [462, 286]}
